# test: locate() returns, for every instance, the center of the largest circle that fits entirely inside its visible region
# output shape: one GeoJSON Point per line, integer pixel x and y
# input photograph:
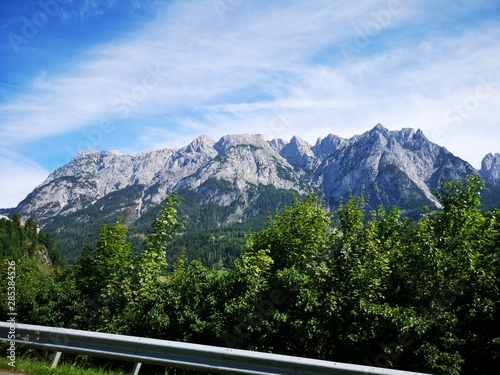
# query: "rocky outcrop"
{"type": "Point", "coordinates": [389, 167]}
{"type": "Point", "coordinates": [490, 169]}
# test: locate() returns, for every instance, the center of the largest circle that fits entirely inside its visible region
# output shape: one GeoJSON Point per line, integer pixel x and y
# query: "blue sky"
{"type": "Point", "coordinates": [135, 75]}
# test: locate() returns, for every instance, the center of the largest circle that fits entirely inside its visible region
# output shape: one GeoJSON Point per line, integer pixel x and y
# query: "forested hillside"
{"type": "Point", "coordinates": [238, 180]}
{"type": "Point", "coordinates": [386, 291]}
{"type": "Point", "coordinates": [23, 240]}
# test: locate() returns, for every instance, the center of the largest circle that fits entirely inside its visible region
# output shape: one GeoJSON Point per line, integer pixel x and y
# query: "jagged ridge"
{"type": "Point", "coordinates": [390, 167]}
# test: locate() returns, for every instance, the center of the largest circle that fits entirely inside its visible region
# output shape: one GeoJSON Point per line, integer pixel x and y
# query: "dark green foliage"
{"type": "Point", "coordinates": [296, 236]}
{"type": "Point", "coordinates": [18, 240]}
{"type": "Point", "coordinates": [490, 197]}
{"type": "Point", "coordinates": [68, 231]}
{"type": "Point", "coordinates": [216, 230]}
{"type": "Point", "coordinates": [376, 289]}
{"type": "Point", "coordinates": [211, 236]}
{"type": "Point", "coordinates": [40, 274]}
{"type": "Point", "coordinates": [211, 246]}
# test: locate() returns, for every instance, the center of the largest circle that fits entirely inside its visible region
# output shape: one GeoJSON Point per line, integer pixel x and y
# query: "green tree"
{"type": "Point", "coordinates": [450, 277]}
{"type": "Point", "coordinates": [360, 269]}
{"type": "Point", "coordinates": [279, 279]}
{"type": "Point", "coordinates": [152, 270]}
{"type": "Point", "coordinates": [377, 290]}
{"type": "Point", "coordinates": [192, 303]}
{"type": "Point", "coordinates": [153, 265]}
{"type": "Point", "coordinates": [297, 236]}
{"type": "Point", "coordinates": [105, 277]}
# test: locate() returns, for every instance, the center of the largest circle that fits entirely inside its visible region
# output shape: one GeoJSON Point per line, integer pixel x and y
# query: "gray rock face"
{"type": "Point", "coordinates": [92, 175]}
{"type": "Point", "coordinates": [277, 144]}
{"type": "Point", "coordinates": [299, 154]}
{"type": "Point", "coordinates": [244, 161]}
{"type": "Point", "coordinates": [390, 167]}
{"type": "Point", "coordinates": [490, 169]}
{"type": "Point", "coordinates": [325, 146]}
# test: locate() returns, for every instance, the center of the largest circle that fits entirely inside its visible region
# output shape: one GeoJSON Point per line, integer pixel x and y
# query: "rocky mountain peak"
{"type": "Point", "coordinates": [277, 144]}
{"type": "Point", "coordinates": [379, 128]}
{"type": "Point", "coordinates": [390, 167]}
{"type": "Point", "coordinates": [243, 163]}
{"type": "Point", "coordinates": [490, 160]}
{"type": "Point", "coordinates": [232, 140]}
{"type": "Point", "coordinates": [299, 154]}
{"type": "Point", "coordinates": [298, 146]}
{"type": "Point", "coordinates": [490, 169]}
{"type": "Point", "coordinates": [376, 138]}
{"type": "Point", "coordinates": [201, 144]}
{"type": "Point", "coordinates": [300, 143]}
{"type": "Point", "coordinates": [409, 138]}
{"type": "Point", "coordinates": [325, 146]}
{"type": "Point", "coordinates": [85, 153]}
{"type": "Point", "coordinates": [404, 135]}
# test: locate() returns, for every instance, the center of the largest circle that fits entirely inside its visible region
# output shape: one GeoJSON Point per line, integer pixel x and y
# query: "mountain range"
{"type": "Point", "coordinates": [244, 176]}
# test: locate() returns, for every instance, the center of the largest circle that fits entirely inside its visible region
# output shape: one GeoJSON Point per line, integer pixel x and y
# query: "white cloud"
{"type": "Point", "coordinates": [276, 68]}
{"type": "Point", "coordinates": [18, 177]}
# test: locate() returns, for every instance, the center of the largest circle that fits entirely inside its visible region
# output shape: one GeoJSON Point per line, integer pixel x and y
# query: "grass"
{"type": "Point", "coordinates": [36, 367]}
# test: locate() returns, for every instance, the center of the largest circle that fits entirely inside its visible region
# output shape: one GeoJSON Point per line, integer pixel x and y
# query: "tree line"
{"type": "Point", "coordinates": [418, 295]}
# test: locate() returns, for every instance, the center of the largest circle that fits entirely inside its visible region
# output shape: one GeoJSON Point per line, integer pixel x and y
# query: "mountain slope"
{"type": "Point", "coordinates": [490, 169]}
{"type": "Point", "coordinates": [244, 176]}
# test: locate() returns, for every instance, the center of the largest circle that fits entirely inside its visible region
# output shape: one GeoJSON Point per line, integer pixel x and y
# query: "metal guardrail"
{"type": "Point", "coordinates": [211, 359]}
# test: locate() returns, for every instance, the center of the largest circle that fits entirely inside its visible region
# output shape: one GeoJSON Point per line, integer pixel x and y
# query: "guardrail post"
{"type": "Point", "coordinates": [57, 357]}
{"type": "Point", "coordinates": [136, 369]}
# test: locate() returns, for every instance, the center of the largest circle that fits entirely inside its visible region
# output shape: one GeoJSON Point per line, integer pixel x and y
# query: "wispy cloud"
{"type": "Point", "coordinates": [18, 177]}
{"type": "Point", "coordinates": [278, 68]}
